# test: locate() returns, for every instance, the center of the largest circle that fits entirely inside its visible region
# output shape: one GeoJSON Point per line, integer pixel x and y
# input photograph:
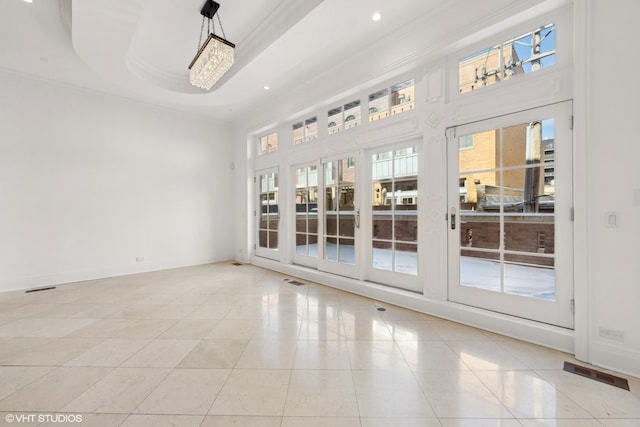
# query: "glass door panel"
{"type": "Point", "coordinates": [394, 217]}
{"type": "Point", "coordinates": [306, 211]}
{"type": "Point", "coordinates": [341, 217]}
{"type": "Point", "coordinates": [502, 187]}
{"type": "Point", "coordinates": [268, 215]}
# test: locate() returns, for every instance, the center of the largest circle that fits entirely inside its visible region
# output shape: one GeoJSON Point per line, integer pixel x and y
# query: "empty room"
{"type": "Point", "coordinates": [319, 213]}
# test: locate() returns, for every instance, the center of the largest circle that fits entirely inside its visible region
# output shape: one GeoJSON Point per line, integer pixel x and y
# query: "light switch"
{"type": "Point", "coordinates": [612, 219]}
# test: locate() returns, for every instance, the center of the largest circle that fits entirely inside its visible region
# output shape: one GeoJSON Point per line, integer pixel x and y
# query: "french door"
{"type": "Point", "coordinates": [392, 218]}
{"type": "Point", "coordinates": [268, 213]}
{"type": "Point", "coordinates": [509, 219]}
{"type": "Point", "coordinates": [308, 206]}
{"type": "Point", "coordinates": [340, 216]}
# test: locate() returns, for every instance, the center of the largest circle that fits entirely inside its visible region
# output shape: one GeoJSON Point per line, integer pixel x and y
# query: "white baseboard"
{"type": "Point", "coordinates": [59, 278]}
{"type": "Point", "coordinates": [539, 333]}
{"type": "Point", "coordinates": [615, 358]}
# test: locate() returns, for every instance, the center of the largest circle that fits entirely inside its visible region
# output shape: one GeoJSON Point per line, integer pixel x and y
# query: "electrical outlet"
{"type": "Point", "coordinates": [611, 334]}
{"type": "Point", "coordinates": [139, 259]}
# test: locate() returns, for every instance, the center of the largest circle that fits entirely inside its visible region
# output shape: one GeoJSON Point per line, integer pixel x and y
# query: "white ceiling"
{"type": "Point", "coordinates": [141, 49]}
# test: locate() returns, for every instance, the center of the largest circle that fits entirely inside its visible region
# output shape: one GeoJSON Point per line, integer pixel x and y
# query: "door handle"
{"type": "Point", "coordinates": [357, 218]}
{"type": "Point", "coordinates": [453, 218]}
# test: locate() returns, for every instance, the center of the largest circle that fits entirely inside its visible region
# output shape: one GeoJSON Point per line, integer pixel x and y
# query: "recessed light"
{"type": "Point", "coordinates": [266, 87]}
{"type": "Point", "coordinates": [28, 1]}
{"type": "Point", "coordinates": [376, 16]}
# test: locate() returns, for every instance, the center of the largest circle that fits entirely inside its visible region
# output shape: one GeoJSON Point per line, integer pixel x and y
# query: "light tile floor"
{"type": "Point", "coordinates": [221, 345]}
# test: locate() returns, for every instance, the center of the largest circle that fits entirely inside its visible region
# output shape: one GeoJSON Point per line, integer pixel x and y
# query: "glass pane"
{"type": "Point", "coordinates": [264, 202]}
{"type": "Point", "coordinates": [347, 224]}
{"type": "Point", "coordinates": [382, 256]}
{"type": "Point", "coordinates": [352, 114]}
{"type": "Point", "coordinates": [347, 171]}
{"type": "Point", "coordinates": [262, 239]}
{"type": "Point", "coordinates": [524, 233]}
{"type": "Point", "coordinates": [331, 248]}
{"type": "Point", "coordinates": [331, 228]}
{"type": "Point", "coordinates": [301, 178]}
{"type": "Point", "coordinates": [347, 195]}
{"type": "Point", "coordinates": [263, 145]}
{"type": "Point", "coordinates": [272, 142]}
{"type": "Point", "coordinates": [298, 133]}
{"type": "Point", "coordinates": [405, 162]}
{"type": "Point", "coordinates": [274, 220]}
{"type": "Point", "coordinates": [311, 128]}
{"type": "Point", "coordinates": [313, 245]}
{"type": "Point", "coordinates": [406, 226]}
{"type": "Point", "coordinates": [381, 210]}
{"type": "Point", "coordinates": [480, 213]}
{"type": "Point", "coordinates": [484, 154]}
{"type": "Point", "coordinates": [406, 258]}
{"type": "Point", "coordinates": [479, 230]}
{"type": "Point", "coordinates": [334, 120]}
{"type": "Point", "coordinates": [346, 252]}
{"type": "Point", "coordinates": [527, 192]}
{"type": "Point", "coordinates": [330, 201]}
{"type": "Point", "coordinates": [264, 183]}
{"type": "Point", "coordinates": [406, 194]}
{"type": "Point", "coordinates": [529, 276]}
{"type": "Point", "coordinates": [480, 270]}
{"type": "Point", "coordinates": [524, 54]}
{"type": "Point", "coordinates": [379, 105]}
{"type": "Point", "coordinates": [301, 244]}
{"type": "Point", "coordinates": [301, 222]}
{"type": "Point", "coordinates": [522, 144]}
{"type": "Point", "coordinates": [273, 240]}
{"type": "Point", "coordinates": [302, 198]}
{"type": "Point", "coordinates": [312, 220]}
{"type": "Point", "coordinates": [402, 97]}
{"type": "Point", "coordinates": [479, 70]}
{"type": "Point", "coordinates": [531, 52]}
{"type": "Point", "coordinates": [313, 178]}
{"type": "Point", "coordinates": [330, 173]}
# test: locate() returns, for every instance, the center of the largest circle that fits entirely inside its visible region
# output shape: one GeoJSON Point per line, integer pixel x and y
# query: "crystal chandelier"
{"type": "Point", "coordinates": [215, 56]}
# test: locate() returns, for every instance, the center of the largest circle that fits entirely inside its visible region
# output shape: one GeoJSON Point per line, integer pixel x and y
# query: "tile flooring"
{"type": "Point", "coordinates": [221, 345]}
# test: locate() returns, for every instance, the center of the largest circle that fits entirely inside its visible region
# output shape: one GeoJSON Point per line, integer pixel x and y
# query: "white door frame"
{"type": "Point", "coordinates": [560, 311]}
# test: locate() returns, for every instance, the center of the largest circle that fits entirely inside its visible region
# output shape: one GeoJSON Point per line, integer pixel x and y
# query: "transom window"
{"type": "Point", "coordinates": [397, 99]}
{"type": "Point", "coordinates": [344, 117]}
{"type": "Point", "coordinates": [268, 143]}
{"type": "Point", "coordinates": [521, 55]}
{"type": "Point", "coordinates": [305, 130]}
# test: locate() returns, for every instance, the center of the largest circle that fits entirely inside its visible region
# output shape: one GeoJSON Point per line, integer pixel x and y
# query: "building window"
{"type": "Point", "coordinates": [306, 130]}
{"type": "Point", "coordinates": [397, 99]}
{"type": "Point", "coordinates": [268, 143]}
{"type": "Point", "coordinates": [379, 105]}
{"type": "Point", "coordinates": [521, 55]}
{"type": "Point", "coordinates": [352, 114]}
{"type": "Point", "coordinates": [402, 97]}
{"type": "Point", "coordinates": [298, 132]}
{"type": "Point", "coordinates": [465, 142]}
{"type": "Point", "coordinates": [335, 120]}
{"type": "Point", "coordinates": [344, 117]}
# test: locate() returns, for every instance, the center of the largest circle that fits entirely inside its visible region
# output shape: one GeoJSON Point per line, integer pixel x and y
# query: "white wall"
{"type": "Point", "coordinates": [607, 152]}
{"type": "Point", "coordinates": [613, 151]}
{"type": "Point", "coordinates": [89, 183]}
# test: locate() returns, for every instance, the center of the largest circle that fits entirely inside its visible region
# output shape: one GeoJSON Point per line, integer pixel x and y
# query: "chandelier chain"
{"type": "Point", "coordinates": [224, 36]}
{"type": "Point", "coordinates": [201, 30]}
